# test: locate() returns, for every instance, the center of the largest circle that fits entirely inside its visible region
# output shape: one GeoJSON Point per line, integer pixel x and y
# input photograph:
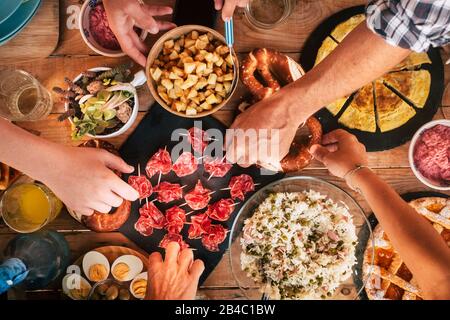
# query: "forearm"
{"type": "Point", "coordinates": [419, 245]}
{"type": "Point", "coordinates": [26, 152]}
{"type": "Point", "coordinates": [359, 59]}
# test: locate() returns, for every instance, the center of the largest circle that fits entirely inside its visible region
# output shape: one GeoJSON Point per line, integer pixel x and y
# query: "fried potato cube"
{"type": "Point", "coordinates": [201, 84]}
{"type": "Point", "coordinates": [180, 106]}
{"type": "Point", "coordinates": [165, 97]}
{"type": "Point", "coordinates": [174, 76]}
{"type": "Point", "coordinates": [183, 55]}
{"type": "Point", "coordinates": [156, 73]}
{"type": "Point", "coordinates": [189, 67]}
{"type": "Point", "coordinates": [211, 99]}
{"type": "Point", "coordinates": [211, 87]}
{"type": "Point", "coordinates": [179, 72]}
{"type": "Point", "coordinates": [178, 92]}
{"type": "Point", "coordinates": [167, 84]}
{"type": "Point", "coordinates": [219, 99]}
{"type": "Point", "coordinates": [192, 94]}
{"type": "Point", "coordinates": [201, 96]}
{"type": "Point", "coordinates": [177, 47]}
{"type": "Point", "coordinates": [199, 57]}
{"type": "Point", "coordinates": [201, 67]}
{"type": "Point", "coordinates": [224, 67]}
{"type": "Point", "coordinates": [204, 38]}
{"type": "Point", "coordinates": [193, 49]}
{"type": "Point", "coordinates": [218, 72]}
{"type": "Point", "coordinates": [169, 44]}
{"type": "Point", "coordinates": [200, 45]}
{"type": "Point", "coordinates": [161, 89]}
{"type": "Point", "coordinates": [189, 43]}
{"type": "Point", "coordinates": [191, 111]}
{"type": "Point", "coordinates": [222, 94]}
{"type": "Point", "coordinates": [229, 60]}
{"type": "Point", "coordinates": [194, 35]}
{"type": "Point", "coordinates": [208, 71]}
{"type": "Point", "coordinates": [222, 50]}
{"type": "Point", "coordinates": [219, 62]}
{"type": "Point", "coordinates": [219, 79]}
{"type": "Point", "coordinates": [173, 55]}
{"type": "Point", "coordinates": [189, 82]}
{"type": "Point", "coordinates": [166, 51]}
{"type": "Point", "coordinates": [208, 92]}
{"type": "Point", "coordinates": [212, 78]}
{"type": "Point", "coordinates": [180, 41]}
{"type": "Point", "coordinates": [219, 87]}
{"type": "Point", "coordinates": [187, 60]}
{"type": "Point", "coordinates": [172, 94]}
{"type": "Point", "coordinates": [195, 100]}
{"type": "Point", "coordinates": [178, 82]}
{"type": "Point", "coordinates": [206, 106]}
{"type": "Point", "coordinates": [228, 77]}
{"type": "Point", "coordinates": [209, 57]}
{"type": "Point", "coordinates": [227, 86]}
{"type": "Point", "coordinates": [215, 58]}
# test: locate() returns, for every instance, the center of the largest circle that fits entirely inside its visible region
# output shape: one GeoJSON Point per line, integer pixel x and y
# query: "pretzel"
{"type": "Point", "coordinates": [276, 70]}
{"type": "Point", "coordinates": [106, 222]}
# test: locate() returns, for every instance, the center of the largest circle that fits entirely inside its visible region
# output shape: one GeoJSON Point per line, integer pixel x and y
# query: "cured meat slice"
{"type": "Point", "coordinates": [160, 162]}
{"type": "Point", "coordinates": [221, 210]}
{"type": "Point", "coordinates": [144, 226]}
{"type": "Point", "coordinates": [185, 165]}
{"type": "Point", "coordinates": [198, 139]}
{"type": "Point", "coordinates": [199, 224]}
{"type": "Point", "coordinates": [240, 186]}
{"type": "Point", "coordinates": [168, 192]}
{"type": "Point", "coordinates": [142, 185]}
{"type": "Point", "coordinates": [156, 217]}
{"type": "Point", "coordinates": [176, 218]}
{"type": "Point", "coordinates": [217, 168]}
{"type": "Point", "coordinates": [214, 236]}
{"type": "Point", "coordinates": [199, 197]}
{"type": "Point", "coordinates": [173, 237]}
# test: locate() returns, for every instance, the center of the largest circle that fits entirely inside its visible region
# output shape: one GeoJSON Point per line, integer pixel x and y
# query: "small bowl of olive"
{"type": "Point", "coordinates": [110, 289]}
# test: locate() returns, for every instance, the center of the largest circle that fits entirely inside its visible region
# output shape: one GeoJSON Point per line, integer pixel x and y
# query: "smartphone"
{"type": "Point", "coordinates": [201, 12]}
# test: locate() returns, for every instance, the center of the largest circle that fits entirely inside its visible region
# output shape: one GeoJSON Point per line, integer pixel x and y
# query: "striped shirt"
{"type": "Point", "coordinates": [411, 24]}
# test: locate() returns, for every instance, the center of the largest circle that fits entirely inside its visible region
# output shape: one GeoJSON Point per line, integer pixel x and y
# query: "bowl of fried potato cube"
{"type": "Point", "coordinates": [191, 71]}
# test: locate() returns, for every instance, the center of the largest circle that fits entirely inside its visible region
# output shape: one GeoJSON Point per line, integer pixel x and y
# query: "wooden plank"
{"type": "Point", "coordinates": [38, 39]}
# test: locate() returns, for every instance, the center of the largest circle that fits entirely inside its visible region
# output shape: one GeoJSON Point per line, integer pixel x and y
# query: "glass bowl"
{"type": "Point", "coordinates": [348, 290]}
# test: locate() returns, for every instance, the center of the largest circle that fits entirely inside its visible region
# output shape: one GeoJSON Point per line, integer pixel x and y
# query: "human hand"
{"type": "Point", "coordinates": [175, 278]}
{"type": "Point", "coordinates": [229, 7]}
{"type": "Point", "coordinates": [123, 16]}
{"type": "Point", "coordinates": [83, 179]}
{"type": "Point", "coordinates": [273, 123]}
{"type": "Point", "coordinates": [340, 153]}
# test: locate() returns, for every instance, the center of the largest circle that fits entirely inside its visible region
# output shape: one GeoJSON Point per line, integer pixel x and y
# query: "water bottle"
{"type": "Point", "coordinates": [34, 260]}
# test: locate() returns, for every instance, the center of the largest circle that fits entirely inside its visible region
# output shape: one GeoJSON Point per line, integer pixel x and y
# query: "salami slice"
{"type": "Point", "coordinates": [240, 186]}
{"type": "Point", "coordinates": [221, 210]}
{"type": "Point", "coordinates": [176, 218]}
{"type": "Point", "coordinates": [168, 192]}
{"type": "Point", "coordinates": [144, 226]}
{"type": "Point", "coordinates": [156, 217]}
{"type": "Point", "coordinates": [199, 139]}
{"type": "Point", "coordinates": [199, 197]}
{"type": "Point", "coordinates": [199, 224]}
{"type": "Point", "coordinates": [214, 236]}
{"type": "Point", "coordinates": [160, 162]}
{"type": "Point", "coordinates": [142, 185]}
{"type": "Point", "coordinates": [217, 168]}
{"type": "Point", "coordinates": [185, 165]}
{"type": "Point", "coordinates": [173, 237]}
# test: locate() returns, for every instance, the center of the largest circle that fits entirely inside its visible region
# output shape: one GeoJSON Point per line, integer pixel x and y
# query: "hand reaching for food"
{"type": "Point", "coordinates": [84, 180]}
{"type": "Point", "coordinates": [124, 16]}
{"type": "Point", "coordinates": [340, 152]}
{"type": "Point", "coordinates": [228, 7]}
{"type": "Point", "coordinates": [174, 278]}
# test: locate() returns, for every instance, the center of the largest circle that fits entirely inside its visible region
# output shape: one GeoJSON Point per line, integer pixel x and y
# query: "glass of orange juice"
{"type": "Point", "coordinates": [28, 207]}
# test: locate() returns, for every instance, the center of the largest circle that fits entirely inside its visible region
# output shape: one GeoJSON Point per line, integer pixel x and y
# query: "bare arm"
{"type": "Point", "coordinates": [425, 253]}
{"type": "Point", "coordinates": [360, 58]}
{"type": "Point", "coordinates": [80, 177]}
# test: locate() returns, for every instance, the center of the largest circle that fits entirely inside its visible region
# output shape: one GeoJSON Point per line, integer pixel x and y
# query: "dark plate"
{"type": "Point", "coordinates": [377, 141]}
{"type": "Point", "coordinates": [363, 235]}
{"type": "Point", "coordinates": [155, 132]}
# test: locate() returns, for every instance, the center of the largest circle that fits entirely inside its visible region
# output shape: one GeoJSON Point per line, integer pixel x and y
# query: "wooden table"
{"type": "Point", "coordinates": [72, 56]}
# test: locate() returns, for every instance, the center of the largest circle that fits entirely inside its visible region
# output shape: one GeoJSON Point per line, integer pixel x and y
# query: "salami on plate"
{"type": "Point", "coordinates": [199, 197]}
{"type": "Point", "coordinates": [199, 224]}
{"type": "Point", "coordinates": [240, 186]}
{"type": "Point", "coordinates": [156, 218]}
{"type": "Point", "coordinates": [198, 138]}
{"type": "Point", "coordinates": [160, 162]}
{"type": "Point", "coordinates": [185, 165]}
{"type": "Point", "coordinates": [176, 218]}
{"type": "Point", "coordinates": [221, 210]}
{"type": "Point", "coordinates": [217, 168]}
{"type": "Point", "coordinates": [173, 237]}
{"type": "Point", "coordinates": [215, 235]}
{"type": "Point", "coordinates": [168, 192]}
{"type": "Point", "coordinates": [142, 185]}
{"type": "Point", "coordinates": [144, 226]}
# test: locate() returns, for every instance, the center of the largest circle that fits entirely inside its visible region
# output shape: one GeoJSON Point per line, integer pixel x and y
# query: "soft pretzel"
{"type": "Point", "coordinates": [106, 222]}
{"type": "Point", "coordinates": [265, 71]}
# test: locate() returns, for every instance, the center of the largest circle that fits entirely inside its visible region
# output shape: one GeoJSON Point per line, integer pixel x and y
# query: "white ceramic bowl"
{"type": "Point", "coordinates": [416, 136]}
{"type": "Point", "coordinates": [126, 125]}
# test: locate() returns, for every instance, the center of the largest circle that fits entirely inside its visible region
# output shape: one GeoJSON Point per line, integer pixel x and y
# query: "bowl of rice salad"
{"type": "Point", "coordinates": [297, 238]}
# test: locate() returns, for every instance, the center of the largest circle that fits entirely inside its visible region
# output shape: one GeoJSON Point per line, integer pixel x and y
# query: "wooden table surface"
{"type": "Point", "coordinates": [72, 56]}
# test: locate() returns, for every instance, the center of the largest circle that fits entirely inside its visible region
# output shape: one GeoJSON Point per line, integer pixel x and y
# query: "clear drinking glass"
{"type": "Point", "coordinates": [28, 207]}
{"type": "Point", "coordinates": [22, 97]}
{"type": "Point", "coordinates": [267, 14]}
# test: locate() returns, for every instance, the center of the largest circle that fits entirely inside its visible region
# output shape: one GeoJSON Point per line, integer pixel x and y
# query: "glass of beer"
{"type": "Point", "coordinates": [28, 207]}
{"type": "Point", "coordinates": [22, 97]}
